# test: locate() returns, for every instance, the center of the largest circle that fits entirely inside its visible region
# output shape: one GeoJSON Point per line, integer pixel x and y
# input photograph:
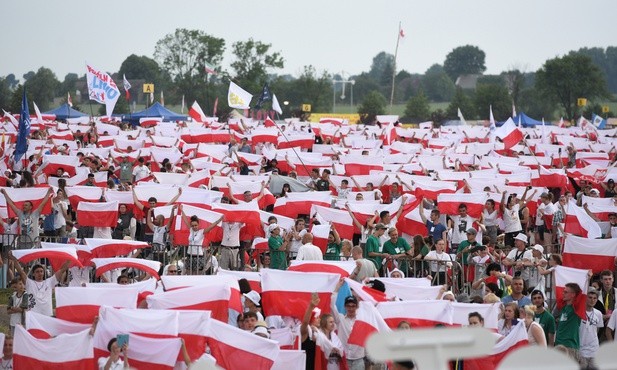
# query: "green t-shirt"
{"type": "Point", "coordinates": [547, 322]}
{"type": "Point", "coordinates": [462, 245]}
{"type": "Point", "coordinates": [278, 260]}
{"type": "Point", "coordinates": [333, 252]}
{"type": "Point", "coordinates": [400, 247]}
{"type": "Point", "coordinates": [568, 328]}
{"type": "Point", "coordinates": [424, 251]}
{"type": "Point", "coordinates": [372, 245]}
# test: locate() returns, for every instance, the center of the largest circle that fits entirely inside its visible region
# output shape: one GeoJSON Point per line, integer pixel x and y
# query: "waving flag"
{"type": "Point", "coordinates": [45, 327]}
{"type": "Point", "coordinates": [517, 338]}
{"type": "Point", "coordinates": [288, 293]}
{"type": "Point", "coordinates": [106, 264]}
{"type": "Point", "coordinates": [416, 313]}
{"type": "Point", "coordinates": [85, 194]}
{"type": "Point", "coordinates": [448, 203]}
{"type": "Point", "coordinates": [509, 134]}
{"type": "Point", "coordinates": [368, 321]}
{"type": "Point", "coordinates": [193, 328]}
{"type": "Point", "coordinates": [594, 254]}
{"type": "Point", "coordinates": [69, 100]}
{"type": "Point", "coordinates": [366, 293]}
{"type": "Point", "coordinates": [57, 256]}
{"type": "Point", "coordinates": [275, 105]}
{"type": "Point", "coordinates": [238, 97]}
{"type": "Point", "coordinates": [339, 218]}
{"type": "Point", "coordinates": [127, 87]}
{"type": "Point", "coordinates": [105, 248]}
{"type": "Point", "coordinates": [210, 69]}
{"type": "Point", "coordinates": [66, 351]}
{"type": "Point", "coordinates": [212, 297]}
{"type": "Point", "coordinates": [564, 275]}
{"type": "Point", "coordinates": [234, 348]}
{"type": "Point", "coordinates": [102, 89]}
{"type": "Point", "coordinates": [254, 278]}
{"type": "Point", "coordinates": [21, 147]}
{"type": "Point", "coordinates": [98, 214]}
{"type": "Point", "coordinates": [578, 222]}
{"type": "Point", "coordinates": [411, 289]}
{"type": "Point", "coordinates": [81, 304]}
{"type": "Point", "coordinates": [598, 121]}
{"type": "Point", "coordinates": [264, 96]}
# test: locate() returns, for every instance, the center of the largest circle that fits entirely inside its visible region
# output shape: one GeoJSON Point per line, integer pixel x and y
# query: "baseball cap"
{"type": "Point", "coordinates": [262, 331]}
{"type": "Point", "coordinates": [377, 285]}
{"type": "Point", "coordinates": [351, 299]}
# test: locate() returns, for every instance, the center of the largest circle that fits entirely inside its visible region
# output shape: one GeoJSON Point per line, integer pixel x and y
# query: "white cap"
{"type": "Point", "coordinates": [522, 237]}
{"type": "Point", "coordinates": [253, 296]}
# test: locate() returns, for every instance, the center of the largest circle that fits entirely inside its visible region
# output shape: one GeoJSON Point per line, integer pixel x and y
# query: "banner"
{"type": "Point", "coordinates": [238, 97]}
{"type": "Point", "coordinates": [102, 89]}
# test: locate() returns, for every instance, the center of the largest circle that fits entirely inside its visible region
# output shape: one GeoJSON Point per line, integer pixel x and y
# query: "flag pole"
{"type": "Point", "coordinates": [292, 148]}
{"type": "Point", "coordinates": [68, 110]}
{"type": "Point", "coordinates": [398, 38]}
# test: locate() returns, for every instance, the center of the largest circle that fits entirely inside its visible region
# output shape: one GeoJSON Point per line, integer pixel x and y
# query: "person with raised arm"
{"type": "Point", "coordinates": [28, 216]}
{"type": "Point", "coordinates": [195, 250]}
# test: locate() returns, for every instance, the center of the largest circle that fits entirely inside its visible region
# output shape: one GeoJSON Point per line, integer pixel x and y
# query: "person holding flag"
{"type": "Point", "coordinates": [567, 337]}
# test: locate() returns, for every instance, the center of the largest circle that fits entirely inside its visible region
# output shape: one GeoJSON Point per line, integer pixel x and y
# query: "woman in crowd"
{"type": "Point", "coordinates": [195, 260]}
{"type": "Point", "coordinates": [278, 247]}
{"type": "Point", "coordinates": [535, 332]}
{"type": "Point", "coordinates": [509, 319]}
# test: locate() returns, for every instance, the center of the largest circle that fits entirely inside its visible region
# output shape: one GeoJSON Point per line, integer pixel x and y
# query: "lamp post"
{"type": "Point", "coordinates": [343, 82]}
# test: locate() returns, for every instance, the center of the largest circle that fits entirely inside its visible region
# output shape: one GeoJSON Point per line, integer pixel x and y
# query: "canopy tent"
{"type": "Point", "coordinates": [65, 111]}
{"type": "Point", "coordinates": [156, 110]}
{"type": "Point", "coordinates": [526, 121]}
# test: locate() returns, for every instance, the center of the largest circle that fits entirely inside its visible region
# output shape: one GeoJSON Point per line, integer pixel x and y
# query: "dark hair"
{"type": "Point", "coordinates": [245, 287]}
{"type": "Point", "coordinates": [122, 276]}
{"type": "Point", "coordinates": [476, 314]}
{"type": "Point", "coordinates": [492, 267]}
{"type": "Point", "coordinates": [111, 343]}
{"type": "Point", "coordinates": [435, 212]}
{"type": "Point", "coordinates": [250, 314]}
{"type": "Point", "coordinates": [194, 219]}
{"type": "Point", "coordinates": [152, 199]}
{"type": "Point", "coordinates": [575, 287]}
{"type": "Point", "coordinates": [606, 273]}
{"type": "Point", "coordinates": [327, 171]}
{"type": "Point", "coordinates": [536, 292]}
{"type": "Point", "coordinates": [408, 365]}
{"type": "Point", "coordinates": [462, 206]}
{"type": "Point", "coordinates": [491, 202]}
{"type": "Point", "coordinates": [495, 289]}
{"type": "Point", "coordinates": [38, 266]}
{"type": "Point", "coordinates": [383, 214]}
{"type": "Point", "coordinates": [345, 182]}
{"type": "Point", "coordinates": [15, 281]}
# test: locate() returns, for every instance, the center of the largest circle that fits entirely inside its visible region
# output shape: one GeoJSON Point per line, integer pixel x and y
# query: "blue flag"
{"type": "Point", "coordinates": [24, 129]}
{"type": "Point", "coordinates": [598, 122]}
{"type": "Point", "coordinates": [265, 96]}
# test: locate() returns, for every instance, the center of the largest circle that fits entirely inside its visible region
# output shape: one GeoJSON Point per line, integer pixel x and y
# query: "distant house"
{"type": "Point", "coordinates": [467, 82]}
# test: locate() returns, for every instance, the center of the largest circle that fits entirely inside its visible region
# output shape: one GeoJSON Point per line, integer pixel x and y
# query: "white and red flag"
{"type": "Point", "coordinates": [341, 219]}
{"type": "Point", "coordinates": [34, 195]}
{"type": "Point", "coordinates": [98, 214]}
{"type": "Point", "coordinates": [579, 223]}
{"type": "Point", "coordinates": [509, 134]}
{"type": "Point", "coordinates": [517, 338]}
{"type": "Point", "coordinates": [45, 327]}
{"type": "Point", "coordinates": [432, 189]}
{"type": "Point", "coordinates": [564, 275]}
{"type": "Point", "coordinates": [368, 321]}
{"type": "Point", "coordinates": [69, 100]}
{"type": "Point", "coordinates": [196, 113]}
{"type": "Point", "coordinates": [57, 256]}
{"type": "Point", "coordinates": [343, 268]}
{"type": "Point", "coordinates": [81, 304]}
{"type": "Point", "coordinates": [320, 237]}
{"type": "Point", "coordinates": [426, 314]}
{"type": "Point", "coordinates": [127, 87]}
{"type": "Point", "coordinates": [550, 177]}
{"type": "Point", "coordinates": [265, 134]}
{"type": "Point", "coordinates": [365, 293]}
{"type": "Point", "coordinates": [288, 293]}
{"type": "Point", "coordinates": [254, 278]}
{"type": "Point", "coordinates": [213, 297]}
{"type": "Point", "coordinates": [51, 163]}
{"type": "Point", "coordinates": [296, 203]}
{"type": "Point", "coordinates": [193, 328]}
{"type": "Point", "coordinates": [106, 264]}
{"type": "Point", "coordinates": [66, 351]}
{"type": "Point", "coordinates": [448, 203]}
{"type": "Point", "coordinates": [594, 254]}
{"type": "Point", "coordinates": [105, 248]}
{"type": "Point", "coordinates": [87, 194]}
{"type": "Point", "coordinates": [234, 348]}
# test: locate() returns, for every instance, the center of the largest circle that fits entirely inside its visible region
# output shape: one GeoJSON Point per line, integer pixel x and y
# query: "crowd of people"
{"type": "Point", "coordinates": [386, 185]}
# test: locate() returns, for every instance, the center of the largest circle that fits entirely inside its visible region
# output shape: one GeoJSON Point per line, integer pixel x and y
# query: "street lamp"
{"type": "Point", "coordinates": [343, 82]}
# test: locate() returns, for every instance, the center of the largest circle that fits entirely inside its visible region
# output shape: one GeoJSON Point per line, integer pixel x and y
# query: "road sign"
{"type": "Point", "coordinates": [581, 102]}
{"type": "Point", "coordinates": [148, 88]}
{"type": "Point", "coordinates": [605, 109]}
{"type": "Point", "coordinates": [306, 107]}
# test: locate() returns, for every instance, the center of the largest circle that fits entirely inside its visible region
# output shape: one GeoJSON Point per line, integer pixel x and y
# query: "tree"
{"type": "Point", "coordinates": [568, 78]}
{"type": "Point", "coordinates": [12, 81]}
{"type": "Point", "coordinates": [515, 82]}
{"type": "Point", "coordinates": [68, 85]}
{"type": "Point", "coordinates": [606, 60]}
{"type": "Point", "coordinates": [5, 93]}
{"type": "Point", "coordinates": [464, 103]}
{"type": "Point", "coordinates": [464, 60]}
{"type": "Point", "coordinates": [363, 86]}
{"type": "Point", "coordinates": [253, 62]}
{"type": "Point", "coordinates": [42, 87]}
{"type": "Point", "coordinates": [418, 109]}
{"type": "Point", "coordinates": [437, 84]}
{"type": "Point", "coordinates": [183, 54]}
{"type": "Point", "coordinates": [382, 63]}
{"type": "Point", "coordinates": [495, 96]}
{"type": "Point", "coordinates": [314, 88]}
{"type": "Point", "coordinates": [28, 75]}
{"type": "Point", "coordinates": [373, 104]}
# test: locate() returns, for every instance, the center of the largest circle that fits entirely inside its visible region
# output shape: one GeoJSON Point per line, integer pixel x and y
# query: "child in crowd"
{"type": "Point", "coordinates": [19, 303]}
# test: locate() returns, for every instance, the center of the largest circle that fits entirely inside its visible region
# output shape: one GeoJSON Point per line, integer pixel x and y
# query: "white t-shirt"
{"type": "Point", "coordinates": [60, 221]}
{"type": "Point", "coordinates": [42, 292]}
{"type": "Point", "coordinates": [612, 321]}
{"type": "Point", "coordinates": [118, 365]}
{"type": "Point", "coordinates": [231, 234]}
{"type": "Point", "coordinates": [296, 244]}
{"type": "Point", "coordinates": [309, 252]}
{"type": "Point", "coordinates": [15, 318]}
{"type": "Point", "coordinates": [433, 255]}
{"type": "Point", "coordinates": [490, 219]}
{"type": "Point", "coordinates": [196, 240]}
{"type": "Point", "coordinates": [511, 220]}
{"type": "Point", "coordinates": [79, 276]}
{"type": "Point", "coordinates": [141, 172]}
{"type": "Point", "coordinates": [460, 225]}
{"type": "Point", "coordinates": [588, 333]}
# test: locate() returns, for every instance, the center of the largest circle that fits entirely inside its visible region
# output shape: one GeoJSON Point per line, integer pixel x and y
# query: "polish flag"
{"type": "Point", "coordinates": [425, 314]}
{"type": "Point", "coordinates": [490, 312]}
{"type": "Point", "coordinates": [564, 275]}
{"type": "Point", "coordinates": [600, 207]}
{"type": "Point", "coordinates": [320, 237]}
{"type": "Point", "coordinates": [432, 189]}
{"type": "Point", "coordinates": [290, 359]}
{"type": "Point", "coordinates": [390, 135]}
{"type": "Point", "coordinates": [66, 351]}
{"type": "Point", "coordinates": [341, 220]}
{"type": "Point", "coordinates": [105, 248]}
{"type": "Point", "coordinates": [83, 253]}
{"type": "Point", "coordinates": [551, 177]}
{"type": "Point", "coordinates": [268, 122]}
{"type": "Point", "coordinates": [594, 254]}
{"type": "Point", "coordinates": [301, 140]}
{"type": "Point", "coordinates": [234, 348]}
{"type": "Point", "coordinates": [260, 244]}
{"type": "Point", "coordinates": [363, 211]}
{"type": "Point", "coordinates": [180, 230]}
{"type": "Point", "coordinates": [150, 323]}
{"type": "Point", "coordinates": [34, 195]}
{"type": "Point", "coordinates": [51, 163]}
{"type": "Point", "coordinates": [106, 264]}
{"type": "Point", "coordinates": [411, 289]}
{"type": "Point", "coordinates": [366, 293]}
{"type": "Point", "coordinates": [334, 121]}
{"type": "Point", "coordinates": [286, 223]}
{"type": "Point", "coordinates": [247, 213]}
{"type": "Point", "coordinates": [361, 165]}
{"type": "Point", "coordinates": [141, 353]}
{"type": "Point", "coordinates": [254, 278]}
{"type": "Point", "coordinates": [287, 293]}
{"type": "Point", "coordinates": [509, 134]}
{"type": "Point", "coordinates": [213, 297]}
{"type": "Point", "coordinates": [57, 256]}
{"type": "Point", "coordinates": [163, 194]}
{"type": "Point", "coordinates": [98, 214]}
{"type": "Point", "coordinates": [410, 222]}
{"type": "Point", "coordinates": [78, 194]}
{"type": "Point", "coordinates": [237, 189]}
{"type": "Point", "coordinates": [517, 338]}
{"type": "Point", "coordinates": [193, 328]}
{"type": "Point", "coordinates": [265, 134]}
{"type": "Point", "coordinates": [81, 304]}
{"type": "Point", "coordinates": [343, 268]}
{"type": "Point", "coordinates": [297, 203]}
{"type": "Point", "coordinates": [578, 222]}
{"type": "Point", "coordinates": [44, 327]}
{"type": "Point", "coordinates": [448, 203]}
{"type": "Point", "coordinates": [368, 321]}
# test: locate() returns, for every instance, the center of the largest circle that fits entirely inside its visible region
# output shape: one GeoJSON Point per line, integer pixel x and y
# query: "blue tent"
{"type": "Point", "coordinates": [64, 111]}
{"type": "Point", "coordinates": [526, 121]}
{"type": "Point", "coordinates": [156, 110]}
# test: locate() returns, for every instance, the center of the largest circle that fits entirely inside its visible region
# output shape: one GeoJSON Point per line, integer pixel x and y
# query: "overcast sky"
{"type": "Point", "coordinates": [332, 35]}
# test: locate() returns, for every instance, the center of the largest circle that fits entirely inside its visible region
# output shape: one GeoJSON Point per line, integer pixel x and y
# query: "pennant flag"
{"type": "Point", "coordinates": [69, 100]}
{"type": "Point", "coordinates": [21, 147]}
{"type": "Point", "coordinates": [57, 256]}
{"type": "Point", "coordinates": [66, 351]}
{"type": "Point", "coordinates": [343, 268]}
{"type": "Point", "coordinates": [210, 69]}
{"type": "Point", "coordinates": [105, 248]}
{"type": "Point", "coordinates": [401, 33]}
{"type": "Point", "coordinates": [234, 348]}
{"type": "Point", "coordinates": [211, 297]}
{"type": "Point", "coordinates": [98, 214]}
{"type": "Point", "coordinates": [598, 121]}
{"type": "Point", "coordinates": [106, 264]}
{"type": "Point", "coordinates": [275, 105]}
{"type": "Point", "coordinates": [81, 304]}
{"type": "Point", "coordinates": [509, 134]}
{"type": "Point", "coordinates": [238, 97]}
{"type": "Point", "coordinates": [127, 87]}
{"type": "Point", "coordinates": [265, 96]}
{"type": "Point", "coordinates": [417, 313]}
{"type": "Point", "coordinates": [368, 321]}
{"type": "Point", "coordinates": [513, 110]}
{"type": "Point", "coordinates": [565, 275]}
{"type": "Point", "coordinates": [460, 116]}
{"type": "Point", "coordinates": [288, 293]}
{"type": "Point", "coordinates": [578, 222]}
{"type": "Point", "coordinates": [594, 254]}
{"type": "Point", "coordinates": [102, 89]}
{"type": "Point", "coordinates": [45, 327]}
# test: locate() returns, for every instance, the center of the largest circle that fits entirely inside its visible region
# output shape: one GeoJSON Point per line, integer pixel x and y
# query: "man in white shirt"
{"type": "Point", "coordinates": [141, 171]}
{"type": "Point", "coordinates": [588, 331]}
{"type": "Point", "coordinates": [364, 268]}
{"type": "Point", "coordinates": [519, 257]}
{"type": "Point", "coordinates": [355, 354]}
{"type": "Point", "coordinates": [39, 287]}
{"type": "Point", "coordinates": [309, 251]}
